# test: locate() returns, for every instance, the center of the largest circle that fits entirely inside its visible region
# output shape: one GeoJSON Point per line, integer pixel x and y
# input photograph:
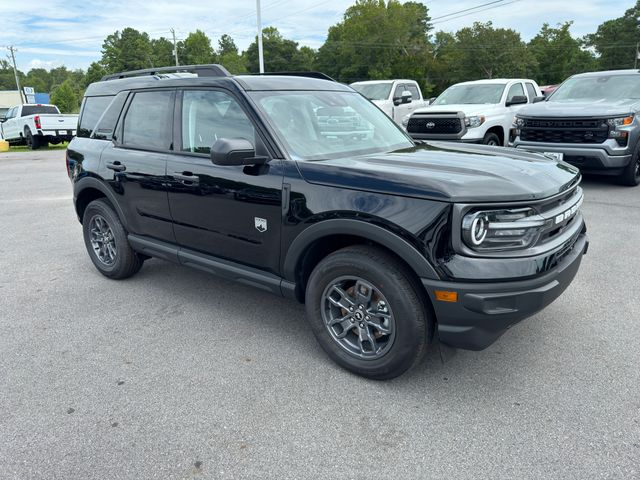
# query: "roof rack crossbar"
{"type": "Point", "coordinates": [210, 70]}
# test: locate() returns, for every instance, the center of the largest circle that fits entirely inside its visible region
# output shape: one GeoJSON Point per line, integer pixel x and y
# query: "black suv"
{"type": "Point", "coordinates": [302, 187]}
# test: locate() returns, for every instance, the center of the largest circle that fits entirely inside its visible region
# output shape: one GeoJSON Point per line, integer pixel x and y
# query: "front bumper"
{"type": "Point", "coordinates": [597, 158]}
{"type": "Point", "coordinates": [484, 311]}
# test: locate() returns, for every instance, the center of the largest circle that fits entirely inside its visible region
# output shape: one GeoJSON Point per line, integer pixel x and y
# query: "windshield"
{"type": "Point", "coordinates": [471, 94]}
{"type": "Point", "coordinates": [317, 125]}
{"type": "Point", "coordinates": [373, 91]}
{"type": "Point", "coordinates": [605, 87]}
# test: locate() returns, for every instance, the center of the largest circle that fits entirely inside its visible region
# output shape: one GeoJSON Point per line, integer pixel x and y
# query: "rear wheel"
{"type": "Point", "coordinates": [106, 242]}
{"type": "Point", "coordinates": [492, 139]}
{"type": "Point", "coordinates": [631, 174]}
{"type": "Point", "coordinates": [367, 313]}
{"type": "Point", "coordinates": [33, 142]}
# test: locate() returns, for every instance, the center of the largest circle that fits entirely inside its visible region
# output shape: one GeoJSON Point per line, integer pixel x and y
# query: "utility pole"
{"type": "Point", "coordinates": [635, 64]}
{"type": "Point", "coordinates": [13, 51]}
{"type": "Point", "coordinates": [260, 52]}
{"type": "Point", "coordinates": [175, 46]}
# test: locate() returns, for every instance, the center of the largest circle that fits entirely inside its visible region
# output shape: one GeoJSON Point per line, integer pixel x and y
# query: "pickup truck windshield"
{"type": "Point", "coordinates": [318, 125]}
{"type": "Point", "coordinates": [374, 91]}
{"type": "Point", "coordinates": [596, 88]}
{"type": "Point", "coordinates": [38, 109]}
{"type": "Point", "coordinates": [471, 94]}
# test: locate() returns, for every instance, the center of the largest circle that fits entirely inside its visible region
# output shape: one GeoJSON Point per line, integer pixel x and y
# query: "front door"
{"type": "Point", "coordinates": [231, 212]}
{"type": "Point", "coordinates": [135, 164]}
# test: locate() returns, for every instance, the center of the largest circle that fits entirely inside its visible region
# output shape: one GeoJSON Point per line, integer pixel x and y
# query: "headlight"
{"type": "Point", "coordinates": [620, 121]}
{"type": "Point", "coordinates": [617, 128]}
{"type": "Point", "coordinates": [508, 229]}
{"type": "Point", "coordinates": [518, 122]}
{"type": "Point", "coordinates": [474, 121]}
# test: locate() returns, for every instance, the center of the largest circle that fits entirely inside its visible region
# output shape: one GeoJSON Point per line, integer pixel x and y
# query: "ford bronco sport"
{"type": "Point", "coordinates": [390, 243]}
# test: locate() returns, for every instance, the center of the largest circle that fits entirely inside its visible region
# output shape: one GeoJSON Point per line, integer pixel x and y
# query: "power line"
{"type": "Point", "coordinates": [467, 9]}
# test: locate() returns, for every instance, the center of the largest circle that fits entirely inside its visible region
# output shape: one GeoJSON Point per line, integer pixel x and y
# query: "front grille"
{"type": "Point", "coordinates": [564, 130]}
{"type": "Point", "coordinates": [430, 125]}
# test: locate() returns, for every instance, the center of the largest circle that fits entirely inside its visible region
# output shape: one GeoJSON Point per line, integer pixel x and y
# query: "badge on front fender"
{"type": "Point", "coordinates": [261, 224]}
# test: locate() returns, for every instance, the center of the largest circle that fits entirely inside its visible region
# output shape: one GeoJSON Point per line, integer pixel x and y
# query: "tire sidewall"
{"type": "Point", "coordinates": [491, 136]}
{"type": "Point", "coordinates": [408, 311]}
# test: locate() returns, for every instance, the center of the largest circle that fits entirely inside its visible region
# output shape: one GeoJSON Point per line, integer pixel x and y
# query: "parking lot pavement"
{"type": "Point", "coordinates": [176, 374]}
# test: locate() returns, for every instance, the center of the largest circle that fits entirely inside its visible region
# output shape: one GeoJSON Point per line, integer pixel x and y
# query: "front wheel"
{"type": "Point", "coordinates": [491, 139]}
{"type": "Point", "coordinates": [367, 313]}
{"type": "Point", "coordinates": [106, 242]}
{"type": "Point", "coordinates": [631, 174]}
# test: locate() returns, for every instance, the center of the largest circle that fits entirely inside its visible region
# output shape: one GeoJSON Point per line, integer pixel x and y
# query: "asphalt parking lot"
{"type": "Point", "coordinates": [176, 374]}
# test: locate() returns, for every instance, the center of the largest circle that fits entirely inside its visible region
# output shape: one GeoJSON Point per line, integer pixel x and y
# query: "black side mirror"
{"type": "Point", "coordinates": [539, 99]}
{"type": "Point", "coordinates": [517, 100]}
{"type": "Point", "coordinates": [235, 151]}
{"type": "Point", "coordinates": [3, 119]}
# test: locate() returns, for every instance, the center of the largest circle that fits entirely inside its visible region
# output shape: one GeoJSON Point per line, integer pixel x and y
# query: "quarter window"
{"type": "Point", "coordinates": [208, 115]}
{"type": "Point", "coordinates": [531, 91]}
{"type": "Point", "coordinates": [149, 119]}
{"type": "Point", "coordinates": [92, 110]}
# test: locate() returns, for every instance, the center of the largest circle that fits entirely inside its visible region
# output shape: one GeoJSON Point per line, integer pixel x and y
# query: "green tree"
{"type": "Point", "coordinates": [615, 40]}
{"type": "Point", "coordinates": [229, 57]}
{"type": "Point", "coordinates": [162, 52]}
{"type": "Point", "coordinates": [65, 97]}
{"type": "Point", "coordinates": [126, 50]}
{"type": "Point", "coordinates": [378, 39]}
{"type": "Point", "coordinates": [7, 78]}
{"type": "Point", "coordinates": [280, 54]}
{"type": "Point", "coordinates": [558, 55]}
{"type": "Point", "coordinates": [196, 49]}
{"type": "Point", "coordinates": [39, 79]}
{"type": "Point", "coordinates": [94, 73]}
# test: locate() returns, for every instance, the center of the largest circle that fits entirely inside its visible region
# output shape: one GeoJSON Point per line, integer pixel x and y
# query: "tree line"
{"type": "Point", "coordinates": [376, 39]}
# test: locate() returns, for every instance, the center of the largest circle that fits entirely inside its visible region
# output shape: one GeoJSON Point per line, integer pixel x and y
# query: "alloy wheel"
{"type": "Point", "coordinates": [358, 317]}
{"type": "Point", "coordinates": [102, 240]}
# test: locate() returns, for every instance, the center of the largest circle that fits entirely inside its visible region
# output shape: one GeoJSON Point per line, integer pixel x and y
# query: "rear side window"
{"type": "Point", "coordinates": [148, 121]}
{"type": "Point", "coordinates": [92, 110]}
{"type": "Point", "coordinates": [531, 91]}
{"type": "Point", "coordinates": [107, 123]}
{"type": "Point", "coordinates": [35, 109]}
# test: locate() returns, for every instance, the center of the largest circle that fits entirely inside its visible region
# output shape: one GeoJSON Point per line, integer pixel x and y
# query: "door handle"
{"type": "Point", "coordinates": [116, 166]}
{"type": "Point", "coordinates": [187, 178]}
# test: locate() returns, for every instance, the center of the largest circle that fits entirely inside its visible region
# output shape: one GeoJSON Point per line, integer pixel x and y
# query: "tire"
{"type": "Point", "coordinates": [32, 142]}
{"type": "Point", "coordinates": [631, 174]}
{"type": "Point", "coordinates": [395, 304]}
{"type": "Point", "coordinates": [106, 241]}
{"type": "Point", "coordinates": [491, 138]}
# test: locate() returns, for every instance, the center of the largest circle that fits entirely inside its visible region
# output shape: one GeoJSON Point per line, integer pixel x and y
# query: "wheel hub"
{"type": "Point", "coordinates": [358, 318]}
{"type": "Point", "coordinates": [102, 240]}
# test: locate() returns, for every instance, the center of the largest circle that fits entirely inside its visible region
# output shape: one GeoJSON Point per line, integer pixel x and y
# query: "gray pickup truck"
{"type": "Point", "coordinates": [590, 121]}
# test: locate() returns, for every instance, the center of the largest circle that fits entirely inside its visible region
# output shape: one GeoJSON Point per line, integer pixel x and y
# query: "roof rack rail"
{"type": "Point", "coordinates": [209, 70]}
{"type": "Point", "coordinates": [319, 75]}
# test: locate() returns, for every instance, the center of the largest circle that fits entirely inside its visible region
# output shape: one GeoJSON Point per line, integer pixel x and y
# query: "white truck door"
{"type": "Point", "coordinates": [399, 111]}
{"type": "Point", "coordinates": [10, 128]}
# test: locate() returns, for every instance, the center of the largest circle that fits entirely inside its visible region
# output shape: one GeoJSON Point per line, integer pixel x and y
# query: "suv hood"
{"type": "Point", "coordinates": [600, 108]}
{"type": "Point", "coordinates": [447, 172]}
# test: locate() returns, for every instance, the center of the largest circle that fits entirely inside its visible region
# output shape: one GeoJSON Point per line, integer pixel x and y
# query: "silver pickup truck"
{"type": "Point", "coordinates": [590, 121]}
{"type": "Point", "coordinates": [36, 125]}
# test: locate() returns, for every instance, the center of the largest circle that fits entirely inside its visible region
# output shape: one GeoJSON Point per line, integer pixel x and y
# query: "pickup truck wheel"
{"type": "Point", "coordinates": [366, 312]}
{"type": "Point", "coordinates": [106, 242]}
{"type": "Point", "coordinates": [631, 174]}
{"type": "Point", "coordinates": [32, 142]}
{"type": "Point", "coordinates": [491, 139]}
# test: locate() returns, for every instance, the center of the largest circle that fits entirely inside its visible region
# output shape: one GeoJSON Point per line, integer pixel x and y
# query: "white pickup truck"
{"type": "Point", "coordinates": [36, 125]}
{"type": "Point", "coordinates": [482, 111]}
{"type": "Point", "coordinates": [396, 98]}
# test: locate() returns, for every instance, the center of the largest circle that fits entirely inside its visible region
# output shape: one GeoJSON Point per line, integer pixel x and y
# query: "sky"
{"type": "Point", "coordinates": [52, 33]}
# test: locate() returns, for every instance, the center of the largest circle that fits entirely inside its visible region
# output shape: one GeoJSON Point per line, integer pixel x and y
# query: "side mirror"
{"type": "Point", "coordinates": [431, 100]}
{"type": "Point", "coordinates": [539, 99]}
{"type": "Point", "coordinates": [3, 119]}
{"type": "Point", "coordinates": [235, 151]}
{"type": "Point", "coordinates": [406, 97]}
{"type": "Point", "coordinates": [517, 100]}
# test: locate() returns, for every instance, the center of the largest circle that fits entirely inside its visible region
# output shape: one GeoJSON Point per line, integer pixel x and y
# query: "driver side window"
{"type": "Point", "coordinates": [208, 115]}
{"type": "Point", "coordinates": [515, 90]}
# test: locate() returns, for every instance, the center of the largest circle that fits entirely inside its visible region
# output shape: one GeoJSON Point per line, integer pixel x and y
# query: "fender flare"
{"type": "Point", "coordinates": [92, 182]}
{"type": "Point", "coordinates": [416, 261]}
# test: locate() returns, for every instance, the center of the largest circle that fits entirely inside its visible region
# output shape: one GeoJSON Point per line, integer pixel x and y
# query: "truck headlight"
{"type": "Point", "coordinates": [506, 229]}
{"type": "Point", "coordinates": [474, 121]}
{"type": "Point", "coordinates": [618, 130]}
{"type": "Point", "coordinates": [518, 122]}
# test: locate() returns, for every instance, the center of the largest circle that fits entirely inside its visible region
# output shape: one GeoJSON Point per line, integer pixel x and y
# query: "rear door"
{"type": "Point", "coordinates": [135, 163]}
{"type": "Point", "coordinates": [231, 212]}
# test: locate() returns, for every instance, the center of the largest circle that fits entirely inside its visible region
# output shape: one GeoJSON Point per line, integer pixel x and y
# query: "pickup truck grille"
{"type": "Point", "coordinates": [434, 125]}
{"type": "Point", "coordinates": [564, 130]}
